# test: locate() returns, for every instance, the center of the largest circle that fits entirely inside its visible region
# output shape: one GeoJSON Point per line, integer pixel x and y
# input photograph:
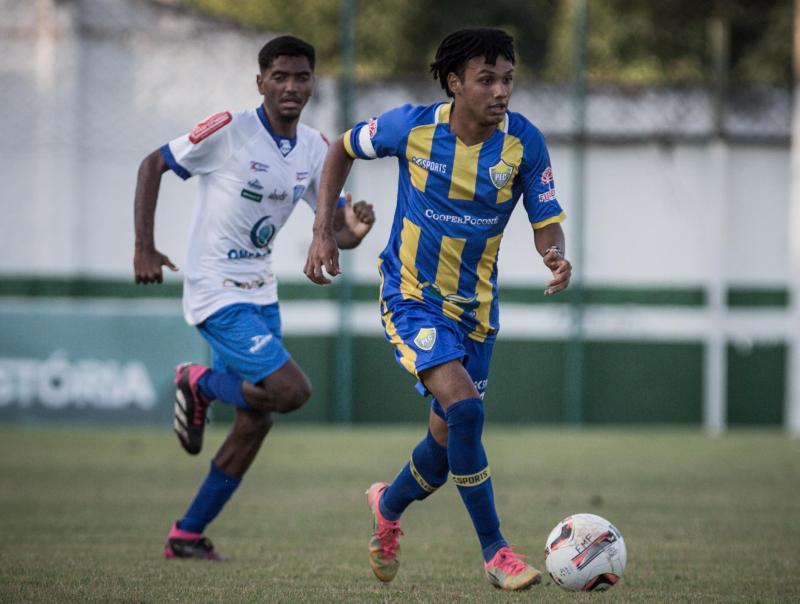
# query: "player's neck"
{"type": "Point", "coordinates": [279, 127]}
{"type": "Point", "coordinates": [467, 128]}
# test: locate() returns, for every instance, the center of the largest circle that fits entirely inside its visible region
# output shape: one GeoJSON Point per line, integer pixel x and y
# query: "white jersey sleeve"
{"type": "Point", "coordinates": [204, 150]}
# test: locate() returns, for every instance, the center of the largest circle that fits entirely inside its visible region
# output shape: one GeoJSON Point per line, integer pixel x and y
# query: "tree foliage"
{"type": "Point", "coordinates": [630, 41]}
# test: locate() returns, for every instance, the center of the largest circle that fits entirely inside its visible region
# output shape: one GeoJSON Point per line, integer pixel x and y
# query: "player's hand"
{"type": "Point", "coordinates": [358, 217]}
{"type": "Point", "coordinates": [323, 251]}
{"type": "Point", "coordinates": [561, 269]}
{"type": "Point", "coordinates": [147, 263]}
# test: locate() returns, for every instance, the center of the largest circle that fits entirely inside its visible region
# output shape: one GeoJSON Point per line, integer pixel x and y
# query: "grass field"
{"type": "Point", "coordinates": [84, 513]}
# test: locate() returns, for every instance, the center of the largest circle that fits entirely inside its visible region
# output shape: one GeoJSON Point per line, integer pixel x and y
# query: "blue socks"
{"type": "Point", "coordinates": [420, 477]}
{"type": "Point", "coordinates": [471, 473]}
{"type": "Point", "coordinates": [223, 387]}
{"type": "Point", "coordinates": [212, 496]}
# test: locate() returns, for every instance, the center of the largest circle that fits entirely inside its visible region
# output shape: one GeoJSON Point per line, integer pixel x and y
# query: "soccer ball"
{"type": "Point", "coordinates": [585, 552]}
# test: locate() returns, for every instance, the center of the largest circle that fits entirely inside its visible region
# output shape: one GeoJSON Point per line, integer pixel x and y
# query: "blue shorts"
{"type": "Point", "coordinates": [423, 337]}
{"type": "Point", "coordinates": [246, 340]}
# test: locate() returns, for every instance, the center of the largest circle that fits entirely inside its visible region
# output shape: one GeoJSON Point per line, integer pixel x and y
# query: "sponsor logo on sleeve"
{"type": "Point", "coordinates": [547, 179]}
{"type": "Point", "coordinates": [209, 126]}
{"type": "Point", "coordinates": [547, 196]}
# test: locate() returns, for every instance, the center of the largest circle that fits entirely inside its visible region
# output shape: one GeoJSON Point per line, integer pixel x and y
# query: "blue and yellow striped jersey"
{"type": "Point", "coordinates": [453, 204]}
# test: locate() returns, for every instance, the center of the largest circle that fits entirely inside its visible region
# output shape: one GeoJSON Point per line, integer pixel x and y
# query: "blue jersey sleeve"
{"type": "Point", "coordinates": [538, 186]}
{"type": "Point", "coordinates": [381, 136]}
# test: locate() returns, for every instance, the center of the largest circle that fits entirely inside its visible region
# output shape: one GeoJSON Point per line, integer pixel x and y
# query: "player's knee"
{"type": "Point", "coordinates": [468, 412]}
{"type": "Point", "coordinates": [296, 395]}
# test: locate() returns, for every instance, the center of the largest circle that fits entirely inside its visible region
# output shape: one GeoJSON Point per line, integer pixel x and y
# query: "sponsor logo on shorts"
{"type": "Point", "coordinates": [372, 126]}
{"type": "Point", "coordinates": [463, 219]}
{"type": "Point", "coordinates": [259, 342]}
{"type": "Point", "coordinates": [429, 165]}
{"type": "Point", "coordinates": [252, 195]}
{"type": "Point", "coordinates": [426, 338]}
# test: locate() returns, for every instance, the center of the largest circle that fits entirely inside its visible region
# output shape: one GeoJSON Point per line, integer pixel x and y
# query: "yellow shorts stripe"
{"type": "Point", "coordinates": [473, 480]}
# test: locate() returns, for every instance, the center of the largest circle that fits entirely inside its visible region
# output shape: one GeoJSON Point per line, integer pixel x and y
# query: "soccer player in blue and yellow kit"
{"type": "Point", "coordinates": [463, 166]}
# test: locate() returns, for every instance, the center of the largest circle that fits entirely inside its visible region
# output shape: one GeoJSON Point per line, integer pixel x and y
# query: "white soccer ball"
{"type": "Point", "coordinates": [585, 552]}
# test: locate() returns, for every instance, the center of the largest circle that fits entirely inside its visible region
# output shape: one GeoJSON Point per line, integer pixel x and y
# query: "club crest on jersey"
{"type": "Point", "coordinates": [426, 338]}
{"type": "Point", "coordinates": [209, 126]}
{"type": "Point", "coordinates": [500, 174]}
{"type": "Point", "coordinates": [285, 146]}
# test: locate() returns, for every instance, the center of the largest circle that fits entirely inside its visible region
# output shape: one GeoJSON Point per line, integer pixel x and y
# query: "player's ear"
{"type": "Point", "coordinates": [260, 84]}
{"type": "Point", "coordinates": [453, 83]}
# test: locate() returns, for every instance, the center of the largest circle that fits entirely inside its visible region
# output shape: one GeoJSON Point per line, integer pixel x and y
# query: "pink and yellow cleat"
{"type": "Point", "coordinates": [384, 546]}
{"type": "Point", "coordinates": [507, 571]}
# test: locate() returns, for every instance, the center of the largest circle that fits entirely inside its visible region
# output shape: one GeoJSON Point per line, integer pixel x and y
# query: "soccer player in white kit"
{"type": "Point", "coordinates": [253, 168]}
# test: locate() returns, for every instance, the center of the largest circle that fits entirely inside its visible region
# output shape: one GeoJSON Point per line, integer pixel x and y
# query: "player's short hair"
{"type": "Point", "coordinates": [459, 47]}
{"type": "Point", "coordinates": [285, 45]}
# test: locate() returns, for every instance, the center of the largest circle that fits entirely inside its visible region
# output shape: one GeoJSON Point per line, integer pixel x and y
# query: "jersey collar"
{"type": "Point", "coordinates": [285, 144]}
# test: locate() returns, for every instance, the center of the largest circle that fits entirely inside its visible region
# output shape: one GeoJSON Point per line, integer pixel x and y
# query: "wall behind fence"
{"type": "Point", "coordinates": [95, 86]}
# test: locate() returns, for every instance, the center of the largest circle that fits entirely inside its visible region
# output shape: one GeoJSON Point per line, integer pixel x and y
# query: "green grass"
{"type": "Point", "coordinates": [84, 513]}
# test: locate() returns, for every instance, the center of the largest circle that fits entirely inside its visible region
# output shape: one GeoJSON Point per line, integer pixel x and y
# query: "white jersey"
{"type": "Point", "coordinates": [248, 188]}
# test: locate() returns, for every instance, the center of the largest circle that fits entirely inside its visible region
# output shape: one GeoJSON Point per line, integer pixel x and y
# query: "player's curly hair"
{"type": "Point", "coordinates": [459, 47]}
{"type": "Point", "coordinates": [285, 45]}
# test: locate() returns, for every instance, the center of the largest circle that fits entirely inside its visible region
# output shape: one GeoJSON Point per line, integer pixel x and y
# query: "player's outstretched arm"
{"type": "Point", "coordinates": [549, 242]}
{"type": "Point", "coordinates": [323, 250]}
{"type": "Point", "coordinates": [352, 222]}
{"type": "Point", "coordinates": [147, 260]}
